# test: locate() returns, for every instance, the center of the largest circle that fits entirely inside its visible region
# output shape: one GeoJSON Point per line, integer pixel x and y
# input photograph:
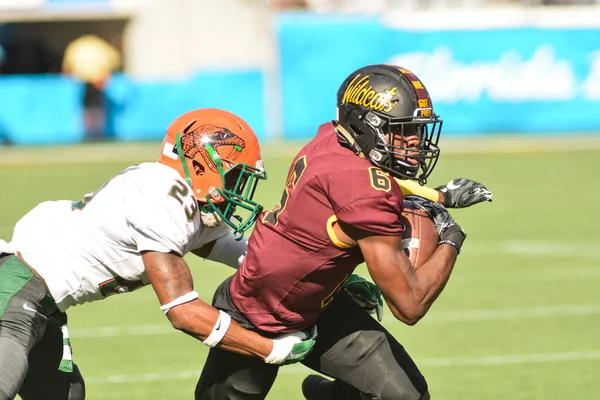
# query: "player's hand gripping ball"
{"type": "Point", "coordinates": [420, 237]}
{"type": "Point", "coordinates": [449, 231]}
{"type": "Point", "coordinates": [419, 241]}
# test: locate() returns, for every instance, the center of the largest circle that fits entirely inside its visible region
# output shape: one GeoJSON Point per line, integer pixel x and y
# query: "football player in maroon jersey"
{"type": "Point", "coordinates": [340, 208]}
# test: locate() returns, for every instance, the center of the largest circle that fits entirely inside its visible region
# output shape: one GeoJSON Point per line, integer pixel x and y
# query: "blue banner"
{"type": "Point", "coordinates": [143, 110]}
{"type": "Point", "coordinates": [40, 109]}
{"type": "Point", "coordinates": [516, 80]}
{"type": "Point", "coordinates": [48, 109]}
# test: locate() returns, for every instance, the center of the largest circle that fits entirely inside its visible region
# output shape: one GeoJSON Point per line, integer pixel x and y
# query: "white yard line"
{"type": "Point", "coordinates": [434, 316]}
{"type": "Point", "coordinates": [440, 362]}
{"type": "Point", "coordinates": [510, 313]}
{"type": "Point", "coordinates": [149, 377]}
{"type": "Point", "coordinates": [535, 248]}
{"type": "Point", "coordinates": [552, 248]}
{"type": "Point", "coordinates": [120, 331]}
{"type": "Point", "coordinates": [510, 359]}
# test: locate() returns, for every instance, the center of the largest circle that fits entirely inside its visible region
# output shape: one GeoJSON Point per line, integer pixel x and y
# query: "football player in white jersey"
{"type": "Point", "coordinates": [134, 231]}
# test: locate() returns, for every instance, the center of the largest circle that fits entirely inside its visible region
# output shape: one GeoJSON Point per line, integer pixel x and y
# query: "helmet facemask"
{"type": "Point", "coordinates": [238, 186]}
{"type": "Point", "coordinates": [407, 148]}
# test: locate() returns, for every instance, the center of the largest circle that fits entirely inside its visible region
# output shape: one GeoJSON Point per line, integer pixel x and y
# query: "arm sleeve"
{"type": "Point", "coordinates": [229, 251]}
{"type": "Point", "coordinates": [412, 187]}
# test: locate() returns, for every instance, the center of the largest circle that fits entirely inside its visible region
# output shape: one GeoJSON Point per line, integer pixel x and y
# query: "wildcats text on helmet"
{"type": "Point", "coordinates": [361, 92]}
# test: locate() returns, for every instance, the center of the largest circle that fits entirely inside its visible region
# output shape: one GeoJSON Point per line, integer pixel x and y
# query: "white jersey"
{"type": "Point", "coordinates": [90, 249]}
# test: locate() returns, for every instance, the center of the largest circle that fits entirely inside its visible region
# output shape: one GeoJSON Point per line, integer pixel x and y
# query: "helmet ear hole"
{"type": "Point", "coordinates": [198, 168]}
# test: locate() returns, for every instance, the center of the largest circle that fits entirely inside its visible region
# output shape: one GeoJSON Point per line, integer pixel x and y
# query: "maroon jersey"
{"type": "Point", "coordinates": [295, 264]}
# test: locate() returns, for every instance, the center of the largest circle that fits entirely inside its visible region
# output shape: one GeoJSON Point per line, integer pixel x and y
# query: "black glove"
{"type": "Point", "coordinates": [450, 232]}
{"type": "Point", "coordinates": [463, 192]}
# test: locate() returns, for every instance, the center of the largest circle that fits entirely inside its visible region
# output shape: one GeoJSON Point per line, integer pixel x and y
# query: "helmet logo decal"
{"type": "Point", "coordinates": [361, 92]}
{"type": "Point", "coordinates": [193, 142]}
{"type": "Point", "coordinates": [424, 101]}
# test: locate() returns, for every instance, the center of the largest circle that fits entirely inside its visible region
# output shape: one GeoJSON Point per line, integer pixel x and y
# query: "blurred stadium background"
{"type": "Point", "coordinates": [516, 82]}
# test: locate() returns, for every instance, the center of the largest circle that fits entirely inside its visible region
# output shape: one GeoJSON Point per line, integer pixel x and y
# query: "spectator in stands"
{"type": "Point", "coordinates": [284, 5]}
{"type": "Point", "coordinates": [92, 60]}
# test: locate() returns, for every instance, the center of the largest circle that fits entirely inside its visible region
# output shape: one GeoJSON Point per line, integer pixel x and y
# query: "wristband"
{"type": "Point", "coordinates": [219, 330]}
{"type": "Point", "coordinates": [453, 236]}
{"type": "Point", "coordinates": [448, 242]}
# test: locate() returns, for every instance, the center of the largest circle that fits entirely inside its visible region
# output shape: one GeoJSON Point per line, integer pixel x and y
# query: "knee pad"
{"type": "Point", "coordinates": [77, 390]}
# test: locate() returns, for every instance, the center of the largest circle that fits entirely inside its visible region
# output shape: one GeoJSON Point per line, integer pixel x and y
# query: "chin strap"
{"type": "Point", "coordinates": [186, 171]}
{"type": "Point", "coordinates": [344, 137]}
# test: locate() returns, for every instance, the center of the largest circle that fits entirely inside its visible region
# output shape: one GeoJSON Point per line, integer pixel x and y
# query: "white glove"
{"type": "Point", "coordinates": [292, 347]}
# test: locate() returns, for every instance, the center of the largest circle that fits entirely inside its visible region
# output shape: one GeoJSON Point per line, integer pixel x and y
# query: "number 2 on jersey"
{"type": "Point", "coordinates": [180, 191]}
{"type": "Point", "coordinates": [294, 176]}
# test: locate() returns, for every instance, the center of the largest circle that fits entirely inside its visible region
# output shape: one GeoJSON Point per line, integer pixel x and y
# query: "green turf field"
{"type": "Point", "coordinates": [519, 319]}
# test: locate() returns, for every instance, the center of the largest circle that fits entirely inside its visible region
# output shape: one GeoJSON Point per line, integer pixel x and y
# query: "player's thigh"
{"type": "Point", "coordinates": [354, 347]}
{"type": "Point", "coordinates": [21, 322]}
{"type": "Point", "coordinates": [13, 367]}
{"type": "Point", "coordinates": [44, 381]}
{"type": "Point", "coordinates": [228, 375]}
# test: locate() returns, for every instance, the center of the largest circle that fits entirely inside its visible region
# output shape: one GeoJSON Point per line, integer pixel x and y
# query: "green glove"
{"type": "Point", "coordinates": [366, 294]}
{"type": "Point", "coordinates": [299, 352]}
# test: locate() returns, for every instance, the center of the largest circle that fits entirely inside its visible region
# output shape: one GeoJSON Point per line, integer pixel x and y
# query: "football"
{"type": "Point", "coordinates": [420, 236]}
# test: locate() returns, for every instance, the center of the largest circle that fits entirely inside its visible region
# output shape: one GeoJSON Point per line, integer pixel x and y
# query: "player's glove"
{"type": "Point", "coordinates": [463, 192]}
{"type": "Point", "coordinates": [366, 294]}
{"type": "Point", "coordinates": [292, 347]}
{"type": "Point", "coordinates": [450, 232]}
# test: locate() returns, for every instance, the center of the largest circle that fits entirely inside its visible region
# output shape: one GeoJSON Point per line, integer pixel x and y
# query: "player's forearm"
{"type": "Point", "coordinates": [433, 276]}
{"type": "Point", "coordinates": [198, 319]}
{"type": "Point", "coordinates": [240, 340]}
{"type": "Point", "coordinates": [410, 295]}
{"type": "Point", "coordinates": [172, 281]}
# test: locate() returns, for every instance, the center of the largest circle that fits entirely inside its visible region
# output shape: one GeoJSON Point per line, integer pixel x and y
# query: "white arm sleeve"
{"type": "Point", "coordinates": [229, 251]}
